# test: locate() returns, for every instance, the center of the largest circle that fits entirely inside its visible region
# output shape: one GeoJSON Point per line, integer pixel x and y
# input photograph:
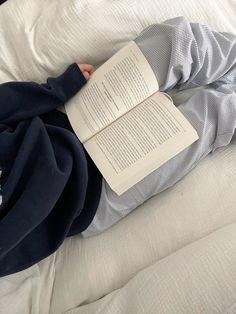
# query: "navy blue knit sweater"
{"type": "Point", "coordinates": [50, 187]}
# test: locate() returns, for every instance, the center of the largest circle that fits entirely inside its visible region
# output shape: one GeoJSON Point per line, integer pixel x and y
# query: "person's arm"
{"type": "Point", "coordinates": [23, 100]}
{"type": "Point", "coordinates": [185, 55]}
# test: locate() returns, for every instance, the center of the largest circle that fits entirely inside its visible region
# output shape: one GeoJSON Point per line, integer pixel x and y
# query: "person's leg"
{"type": "Point", "coordinates": [212, 112]}
{"type": "Point", "coordinates": [182, 55]}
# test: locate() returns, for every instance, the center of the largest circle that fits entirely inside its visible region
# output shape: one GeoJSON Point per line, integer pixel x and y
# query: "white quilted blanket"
{"type": "Point", "coordinates": [174, 254]}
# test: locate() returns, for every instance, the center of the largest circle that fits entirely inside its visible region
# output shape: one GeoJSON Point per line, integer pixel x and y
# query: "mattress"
{"type": "Point", "coordinates": [176, 252]}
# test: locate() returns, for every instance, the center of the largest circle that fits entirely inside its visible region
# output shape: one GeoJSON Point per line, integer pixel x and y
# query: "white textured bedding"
{"type": "Point", "coordinates": [183, 239]}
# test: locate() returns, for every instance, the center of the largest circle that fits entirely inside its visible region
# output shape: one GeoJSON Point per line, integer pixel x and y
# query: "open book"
{"type": "Point", "coordinates": [127, 127]}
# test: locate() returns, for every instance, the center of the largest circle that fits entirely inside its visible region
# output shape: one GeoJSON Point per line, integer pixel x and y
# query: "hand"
{"type": "Point", "coordinates": [86, 69]}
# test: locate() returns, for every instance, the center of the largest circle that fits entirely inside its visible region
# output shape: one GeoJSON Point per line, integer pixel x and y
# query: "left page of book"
{"type": "Point", "coordinates": [121, 83]}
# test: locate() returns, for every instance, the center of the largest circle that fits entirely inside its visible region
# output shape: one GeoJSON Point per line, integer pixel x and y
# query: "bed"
{"type": "Point", "coordinates": [176, 253]}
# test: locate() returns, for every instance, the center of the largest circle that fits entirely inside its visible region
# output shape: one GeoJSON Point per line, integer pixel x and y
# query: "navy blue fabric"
{"type": "Point", "coordinates": [50, 186]}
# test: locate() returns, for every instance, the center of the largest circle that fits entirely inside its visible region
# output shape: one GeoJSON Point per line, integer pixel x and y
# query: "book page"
{"type": "Point", "coordinates": [140, 142]}
{"type": "Point", "coordinates": [121, 83]}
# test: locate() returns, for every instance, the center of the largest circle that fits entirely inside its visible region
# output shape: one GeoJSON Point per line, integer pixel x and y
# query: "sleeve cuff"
{"type": "Point", "coordinates": [69, 83]}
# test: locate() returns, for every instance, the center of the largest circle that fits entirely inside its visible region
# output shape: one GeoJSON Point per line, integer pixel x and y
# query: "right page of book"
{"type": "Point", "coordinates": [120, 84]}
{"type": "Point", "coordinates": [140, 142]}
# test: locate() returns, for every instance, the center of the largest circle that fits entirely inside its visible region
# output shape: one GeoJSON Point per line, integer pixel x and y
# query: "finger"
{"type": "Point", "coordinates": [81, 66]}
{"type": "Point", "coordinates": [86, 75]}
{"type": "Point", "coordinates": [92, 70]}
{"type": "Point", "coordinates": [88, 67]}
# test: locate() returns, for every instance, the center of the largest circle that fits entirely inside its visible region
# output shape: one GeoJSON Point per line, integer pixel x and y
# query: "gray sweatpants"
{"type": "Point", "coordinates": [183, 55]}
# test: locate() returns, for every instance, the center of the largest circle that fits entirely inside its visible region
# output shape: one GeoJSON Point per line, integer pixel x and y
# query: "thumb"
{"type": "Point", "coordinates": [86, 75]}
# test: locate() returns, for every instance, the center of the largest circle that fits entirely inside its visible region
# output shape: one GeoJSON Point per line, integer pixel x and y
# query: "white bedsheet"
{"type": "Point", "coordinates": [200, 278]}
{"type": "Point", "coordinates": [40, 38]}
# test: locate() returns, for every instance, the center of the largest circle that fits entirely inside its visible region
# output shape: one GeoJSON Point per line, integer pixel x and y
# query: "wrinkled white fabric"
{"type": "Point", "coordinates": [200, 278]}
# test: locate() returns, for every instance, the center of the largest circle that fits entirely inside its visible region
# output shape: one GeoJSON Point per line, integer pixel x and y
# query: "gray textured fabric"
{"type": "Point", "coordinates": [183, 55]}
